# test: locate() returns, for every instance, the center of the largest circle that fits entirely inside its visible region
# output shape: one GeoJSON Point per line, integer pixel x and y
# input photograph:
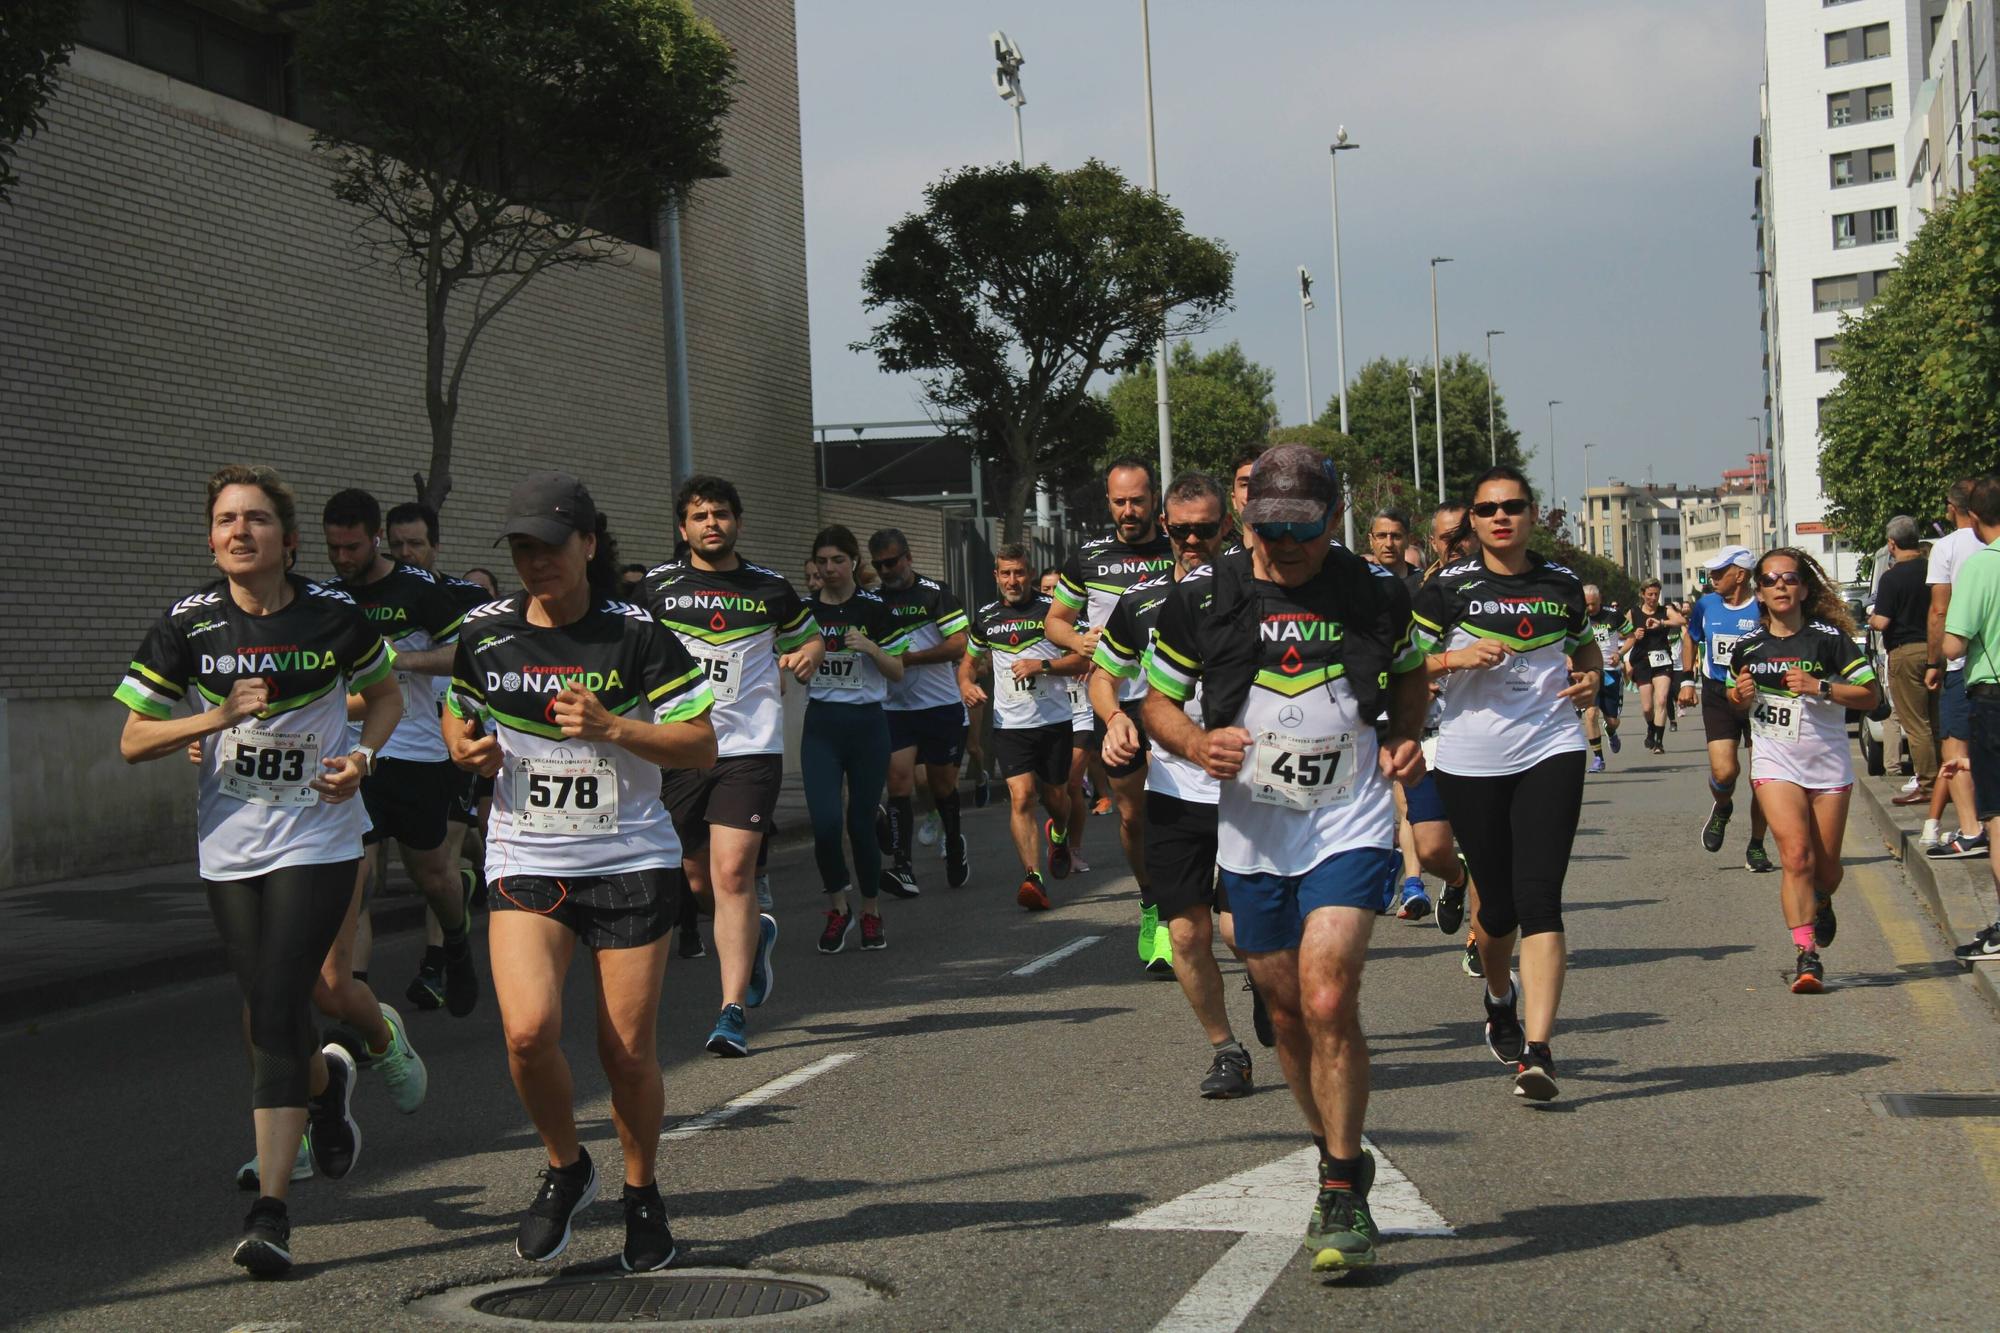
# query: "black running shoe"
{"type": "Point", "coordinates": [649, 1242]}
{"type": "Point", "coordinates": [461, 978]}
{"type": "Point", "coordinates": [1503, 1025]}
{"type": "Point", "coordinates": [690, 942]}
{"type": "Point", "coordinates": [1535, 1073]}
{"type": "Point", "coordinates": [957, 868]}
{"type": "Point", "coordinates": [1983, 946]}
{"type": "Point", "coordinates": [334, 1133]}
{"type": "Point", "coordinates": [426, 989]}
{"type": "Point", "coordinates": [1824, 922]}
{"type": "Point", "coordinates": [1228, 1076]}
{"type": "Point", "coordinates": [1451, 902]}
{"type": "Point", "coordinates": [1717, 825]}
{"type": "Point", "coordinates": [266, 1247]}
{"type": "Point", "coordinates": [1260, 1018]}
{"type": "Point", "coordinates": [1758, 861]}
{"type": "Point", "coordinates": [899, 881]}
{"type": "Point", "coordinates": [1471, 964]}
{"type": "Point", "coordinates": [565, 1192]}
{"type": "Point", "coordinates": [1810, 977]}
{"type": "Point", "coordinates": [982, 792]}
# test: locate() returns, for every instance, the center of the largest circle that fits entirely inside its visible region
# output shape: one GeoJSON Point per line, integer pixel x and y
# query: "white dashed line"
{"type": "Point", "coordinates": [729, 1110]}
{"type": "Point", "coordinates": [1051, 959]}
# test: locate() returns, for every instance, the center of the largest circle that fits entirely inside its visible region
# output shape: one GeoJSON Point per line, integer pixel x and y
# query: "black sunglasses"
{"type": "Point", "coordinates": [890, 561]}
{"type": "Point", "coordinates": [1788, 577]}
{"type": "Point", "coordinates": [1180, 532]}
{"type": "Point", "coordinates": [1512, 508]}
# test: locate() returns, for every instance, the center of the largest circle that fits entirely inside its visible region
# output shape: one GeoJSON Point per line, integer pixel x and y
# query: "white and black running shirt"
{"type": "Point", "coordinates": [735, 622]}
{"type": "Point", "coordinates": [1609, 628]}
{"type": "Point", "coordinates": [929, 613]}
{"type": "Point", "coordinates": [848, 675]}
{"type": "Point", "coordinates": [563, 806]}
{"type": "Point", "coordinates": [1008, 632]}
{"type": "Point", "coordinates": [415, 611]}
{"type": "Point", "coordinates": [1794, 738]}
{"type": "Point", "coordinates": [1506, 718]}
{"type": "Point", "coordinates": [1097, 574]}
{"type": "Point", "coordinates": [254, 812]}
{"type": "Point", "coordinates": [1124, 644]}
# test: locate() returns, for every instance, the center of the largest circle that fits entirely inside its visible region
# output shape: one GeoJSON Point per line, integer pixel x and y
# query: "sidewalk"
{"type": "Point", "coordinates": [1958, 894]}
{"type": "Point", "coordinates": [73, 942]}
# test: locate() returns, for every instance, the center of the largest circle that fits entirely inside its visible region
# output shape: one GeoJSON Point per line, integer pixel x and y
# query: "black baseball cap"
{"type": "Point", "coordinates": [1290, 484]}
{"type": "Point", "coordinates": [549, 506]}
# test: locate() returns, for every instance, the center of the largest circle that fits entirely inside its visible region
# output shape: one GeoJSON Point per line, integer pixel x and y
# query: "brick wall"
{"type": "Point", "coordinates": [923, 525]}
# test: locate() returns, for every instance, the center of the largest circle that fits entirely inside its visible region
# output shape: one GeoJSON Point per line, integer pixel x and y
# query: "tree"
{"type": "Point", "coordinates": [491, 141]}
{"type": "Point", "coordinates": [1220, 401]}
{"type": "Point", "coordinates": [1015, 287]}
{"type": "Point", "coordinates": [35, 41]}
{"type": "Point", "coordinates": [1378, 417]}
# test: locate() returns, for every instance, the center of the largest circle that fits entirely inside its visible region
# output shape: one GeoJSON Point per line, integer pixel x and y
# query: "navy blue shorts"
{"type": "Point", "coordinates": [1271, 910]}
{"type": "Point", "coordinates": [1424, 804]}
{"type": "Point", "coordinates": [936, 734]}
{"type": "Point", "coordinates": [1954, 709]}
{"type": "Point", "coordinates": [1610, 695]}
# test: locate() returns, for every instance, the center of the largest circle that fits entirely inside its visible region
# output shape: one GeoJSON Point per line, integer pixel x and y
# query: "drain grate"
{"type": "Point", "coordinates": [1937, 1105]}
{"type": "Point", "coordinates": [650, 1300]}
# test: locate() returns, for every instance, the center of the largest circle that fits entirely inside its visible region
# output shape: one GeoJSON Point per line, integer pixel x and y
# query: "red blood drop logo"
{"type": "Point", "coordinates": [717, 623]}
{"type": "Point", "coordinates": [1015, 637]}
{"type": "Point", "coordinates": [1526, 629]}
{"type": "Point", "coordinates": [1291, 663]}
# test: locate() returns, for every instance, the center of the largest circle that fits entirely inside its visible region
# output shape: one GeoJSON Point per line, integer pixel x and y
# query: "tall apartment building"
{"type": "Point", "coordinates": [1961, 79]}
{"type": "Point", "coordinates": [1638, 528]}
{"type": "Point", "coordinates": [1832, 213]}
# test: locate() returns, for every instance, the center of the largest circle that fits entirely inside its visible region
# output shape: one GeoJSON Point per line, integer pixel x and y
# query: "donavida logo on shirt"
{"type": "Point", "coordinates": [264, 661]}
{"type": "Point", "coordinates": [554, 680]}
{"type": "Point", "coordinates": [1516, 606]}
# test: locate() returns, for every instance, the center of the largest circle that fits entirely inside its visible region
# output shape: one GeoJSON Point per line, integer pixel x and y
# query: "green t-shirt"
{"type": "Point", "coordinates": [1974, 614]}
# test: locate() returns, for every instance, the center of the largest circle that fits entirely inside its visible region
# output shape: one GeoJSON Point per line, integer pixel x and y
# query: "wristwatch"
{"type": "Point", "coordinates": [367, 753]}
{"type": "Point", "coordinates": [1826, 689]}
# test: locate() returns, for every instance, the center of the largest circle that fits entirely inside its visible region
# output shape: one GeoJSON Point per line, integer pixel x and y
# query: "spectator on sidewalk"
{"type": "Point", "coordinates": [1972, 631]}
{"type": "Point", "coordinates": [1902, 606]}
{"type": "Point", "coordinates": [1946, 674]}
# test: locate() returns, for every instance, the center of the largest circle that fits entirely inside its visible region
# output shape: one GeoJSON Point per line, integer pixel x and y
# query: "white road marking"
{"type": "Point", "coordinates": [1230, 1290]}
{"type": "Point", "coordinates": [729, 1110]}
{"type": "Point", "coordinates": [1051, 959]}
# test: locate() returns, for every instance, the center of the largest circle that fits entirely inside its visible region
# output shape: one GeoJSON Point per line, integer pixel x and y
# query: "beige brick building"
{"type": "Point", "coordinates": [179, 289]}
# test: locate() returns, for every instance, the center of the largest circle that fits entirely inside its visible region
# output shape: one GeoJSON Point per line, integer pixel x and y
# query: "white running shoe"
{"type": "Point", "coordinates": [1931, 836]}
{"type": "Point", "coordinates": [302, 1167]}
{"type": "Point", "coordinates": [401, 1068]}
{"type": "Point", "coordinates": [1908, 788]}
{"type": "Point", "coordinates": [929, 828]}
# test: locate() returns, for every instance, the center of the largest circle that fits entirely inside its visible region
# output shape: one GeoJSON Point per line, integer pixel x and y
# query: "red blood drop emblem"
{"type": "Point", "coordinates": [1015, 637]}
{"type": "Point", "coordinates": [717, 623]}
{"type": "Point", "coordinates": [1526, 629]}
{"type": "Point", "coordinates": [1291, 663]}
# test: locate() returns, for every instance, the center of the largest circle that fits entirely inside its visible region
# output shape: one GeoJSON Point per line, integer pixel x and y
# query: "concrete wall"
{"type": "Point", "coordinates": [923, 525]}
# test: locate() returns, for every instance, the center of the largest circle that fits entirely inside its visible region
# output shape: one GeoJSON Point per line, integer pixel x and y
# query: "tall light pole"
{"type": "Point", "coordinates": [1305, 338]}
{"type": "Point", "coordinates": [1589, 542]}
{"type": "Point", "coordinates": [1153, 184]}
{"type": "Point", "coordinates": [1007, 61]}
{"type": "Point", "coordinates": [1554, 403]}
{"type": "Point", "coordinates": [1492, 438]}
{"type": "Point", "coordinates": [1437, 373]}
{"type": "Point", "coordinates": [1334, 150]}
{"type": "Point", "coordinates": [1416, 459]}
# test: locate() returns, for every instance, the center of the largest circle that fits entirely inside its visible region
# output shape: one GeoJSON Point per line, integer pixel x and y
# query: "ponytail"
{"type": "Point", "coordinates": [602, 573]}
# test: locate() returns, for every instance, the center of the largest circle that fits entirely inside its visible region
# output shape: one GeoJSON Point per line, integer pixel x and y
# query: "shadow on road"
{"type": "Point", "coordinates": [1707, 953]}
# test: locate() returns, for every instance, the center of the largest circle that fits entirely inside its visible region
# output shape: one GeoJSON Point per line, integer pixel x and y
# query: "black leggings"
{"type": "Point", "coordinates": [1517, 830]}
{"type": "Point", "coordinates": [276, 929]}
{"type": "Point", "coordinates": [845, 743]}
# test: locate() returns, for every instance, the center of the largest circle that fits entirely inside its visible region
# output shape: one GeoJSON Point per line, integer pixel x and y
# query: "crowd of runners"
{"type": "Point", "coordinates": [1291, 736]}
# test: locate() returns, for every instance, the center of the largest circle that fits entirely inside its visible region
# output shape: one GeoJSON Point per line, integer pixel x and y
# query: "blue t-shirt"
{"type": "Point", "coordinates": [1716, 626]}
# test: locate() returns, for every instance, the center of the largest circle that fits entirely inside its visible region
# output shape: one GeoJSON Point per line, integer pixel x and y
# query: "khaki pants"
{"type": "Point", "coordinates": [1916, 709]}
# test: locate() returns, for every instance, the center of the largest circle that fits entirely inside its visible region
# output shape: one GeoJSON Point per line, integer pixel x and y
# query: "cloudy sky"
{"type": "Point", "coordinates": [1586, 164]}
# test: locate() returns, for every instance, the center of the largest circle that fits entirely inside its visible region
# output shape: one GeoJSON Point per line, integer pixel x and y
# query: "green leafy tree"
{"type": "Point", "coordinates": [1369, 488]}
{"type": "Point", "coordinates": [1220, 401]}
{"type": "Point", "coordinates": [1378, 416]}
{"type": "Point", "coordinates": [35, 41]}
{"type": "Point", "coordinates": [1015, 287]}
{"type": "Point", "coordinates": [490, 141]}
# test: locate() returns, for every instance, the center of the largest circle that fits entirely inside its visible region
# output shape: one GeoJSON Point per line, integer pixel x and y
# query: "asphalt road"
{"type": "Point", "coordinates": [1714, 1159]}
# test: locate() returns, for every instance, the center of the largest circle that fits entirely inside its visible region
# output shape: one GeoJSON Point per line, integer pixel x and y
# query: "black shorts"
{"type": "Point", "coordinates": [1984, 742]}
{"type": "Point", "coordinates": [409, 800]}
{"type": "Point", "coordinates": [604, 911]}
{"type": "Point", "coordinates": [1610, 697]}
{"type": "Point", "coordinates": [1718, 719]}
{"type": "Point", "coordinates": [1180, 855]}
{"type": "Point", "coordinates": [741, 791]}
{"type": "Point", "coordinates": [465, 798]}
{"type": "Point", "coordinates": [1137, 763]}
{"type": "Point", "coordinates": [936, 734]}
{"type": "Point", "coordinates": [1042, 751]}
{"type": "Point", "coordinates": [1642, 672]}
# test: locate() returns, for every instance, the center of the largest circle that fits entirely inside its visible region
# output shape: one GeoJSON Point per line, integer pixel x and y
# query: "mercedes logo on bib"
{"type": "Point", "coordinates": [1291, 715]}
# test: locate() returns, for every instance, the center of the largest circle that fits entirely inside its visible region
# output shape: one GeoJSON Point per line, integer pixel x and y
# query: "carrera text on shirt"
{"type": "Point", "coordinates": [1793, 738]}
{"type": "Point", "coordinates": [1505, 718]}
{"type": "Point", "coordinates": [253, 811]}
{"type": "Point", "coordinates": [847, 675]}
{"type": "Point", "coordinates": [415, 611]}
{"type": "Point", "coordinates": [929, 613]}
{"type": "Point", "coordinates": [1098, 573]}
{"type": "Point", "coordinates": [735, 622]}
{"type": "Point", "coordinates": [1008, 633]}
{"type": "Point", "coordinates": [1718, 627]}
{"type": "Point", "coordinates": [1124, 649]}
{"type": "Point", "coordinates": [563, 806]}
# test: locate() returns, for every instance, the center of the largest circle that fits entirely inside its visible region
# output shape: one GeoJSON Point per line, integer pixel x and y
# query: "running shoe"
{"type": "Point", "coordinates": [1984, 946]}
{"type": "Point", "coordinates": [1228, 1076]}
{"type": "Point", "coordinates": [839, 925]}
{"type": "Point", "coordinates": [565, 1192]}
{"type": "Point", "coordinates": [1824, 921]}
{"type": "Point", "coordinates": [1960, 846]}
{"type": "Point", "coordinates": [982, 792]}
{"type": "Point", "coordinates": [1717, 825]}
{"type": "Point", "coordinates": [1535, 1073]}
{"type": "Point", "coordinates": [266, 1247]}
{"type": "Point", "coordinates": [929, 828]}
{"type": "Point", "coordinates": [1611, 734]}
{"type": "Point", "coordinates": [1149, 934]}
{"type": "Point", "coordinates": [426, 989]}
{"type": "Point", "coordinates": [763, 893]}
{"type": "Point", "coordinates": [461, 978]}
{"type": "Point", "coordinates": [1342, 1233]}
{"type": "Point", "coordinates": [731, 1035]}
{"type": "Point", "coordinates": [344, 1036]}
{"type": "Point", "coordinates": [402, 1069]}
{"type": "Point", "coordinates": [1102, 807]}
{"type": "Point", "coordinates": [649, 1242]}
{"type": "Point", "coordinates": [1260, 1017]}
{"type": "Point", "coordinates": [1810, 978]}
{"type": "Point", "coordinates": [330, 1125]}
{"type": "Point", "coordinates": [957, 866]}
{"type": "Point", "coordinates": [898, 881]}
{"type": "Point", "coordinates": [1033, 894]}
{"type": "Point", "coordinates": [1471, 963]}
{"type": "Point", "coordinates": [1451, 902]}
{"type": "Point", "coordinates": [1416, 903]}
{"type": "Point", "coordinates": [1597, 763]}
{"type": "Point", "coordinates": [884, 839]}
{"type": "Point", "coordinates": [1077, 865]}
{"type": "Point", "coordinates": [1673, 724]}
{"type": "Point", "coordinates": [872, 934]}
{"type": "Point", "coordinates": [1756, 860]}
{"type": "Point", "coordinates": [761, 976]}
{"type": "Point", "coordinates": [1162, 964]}
{"type": "Point", "coordinates": [690, 942]}
{"type": "Point", "coordinates": [302, 1167]}
{"type": "Point", "coordinates": [1503, 1023]}
{"type": "Point", "coordinates": [1060, 860]}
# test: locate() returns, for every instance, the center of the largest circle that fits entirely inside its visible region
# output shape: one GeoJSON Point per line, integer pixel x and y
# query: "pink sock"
{"type": "Point", "coordinates": [1803, 937]}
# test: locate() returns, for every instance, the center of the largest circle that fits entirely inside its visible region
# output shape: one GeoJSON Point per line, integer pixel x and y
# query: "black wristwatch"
{"type": "Point", "coordinates": [1826, 689]}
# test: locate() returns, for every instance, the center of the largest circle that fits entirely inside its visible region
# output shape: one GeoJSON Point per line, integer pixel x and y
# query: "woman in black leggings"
{"type": "Point", "coordinates": [1512, 631]}
{"type": "Point", "coordinates": [267, 661]}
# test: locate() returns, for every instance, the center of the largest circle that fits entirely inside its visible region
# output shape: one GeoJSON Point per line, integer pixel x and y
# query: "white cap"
{"type": "Point", "coordinates": [1730, 555]}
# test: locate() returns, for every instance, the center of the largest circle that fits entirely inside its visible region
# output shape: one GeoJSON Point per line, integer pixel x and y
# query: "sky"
{"type": "Point", "coordinates": [1586, 165]}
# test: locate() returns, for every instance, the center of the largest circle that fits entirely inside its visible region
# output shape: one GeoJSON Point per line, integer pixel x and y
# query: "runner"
{"type": "Point", "coordinates": [1291, 655]}
{"type": "Point", "coordinates": [268, 659]}
{"type": "Point", "coordinates": [927, 719]}
{"type": "Point", "coordinates": [1388, 547]}
{"type": "Point", "coordinates": [1031, 717]}
{"type": "Point", "coordinates": [1092, 581]}
{"type": "Point", "coordinates": [744, 624]}
{"type": "Point", "coordinates": [1181, 799]}
{"type": "Point", "coordinates": [1945, 675]}
{"type": "Point", "coordinates": [1718, 621]}
{"type": "Point", "coordinates": [576, 701]}
{"type": "Point", "coordinates": [1083, 751]}
{"type": "Point", "coordinates": [1794, 677]}
{"type": "Point", "coordinates": [1450, 542]}
{"type": "Point", "coordinates": [1600, 717]}
{"type": "Point", "coordinates": [1650, 643]}
{"type": "Point", "coordinates": [1512, 632]}
{"type": "Point", "coordinates": [410, 793]}
{"type": "Point", "coordinates": [846, 735]}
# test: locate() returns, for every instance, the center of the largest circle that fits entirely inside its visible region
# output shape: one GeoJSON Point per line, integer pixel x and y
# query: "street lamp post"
{"type": "Point", "coordinates": [1007, 62]}
{"type": "Point", "coordinates": [1554, 403]}
{"type": "Point", "coordinates": [1492, 437]}
{"type": "Point", "coordinates": [1339, 146]}
{"type": "Point", "coordinates": [1437, 373]}
{"type": "Point", "coordinates": [1153, 184]}
{"type": "Point", "coordinates": [1416, 459]}
{"type": "Point", "coordinates": [1305, 336]}
{"type": "Point", "coordinates": [1589, 527]}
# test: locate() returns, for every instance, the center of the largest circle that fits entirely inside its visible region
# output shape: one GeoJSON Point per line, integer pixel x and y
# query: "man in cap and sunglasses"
{"type": "Point", "coordinates": [1297, 647]}
{"type": "Point", "coordinates": [1716, 623]}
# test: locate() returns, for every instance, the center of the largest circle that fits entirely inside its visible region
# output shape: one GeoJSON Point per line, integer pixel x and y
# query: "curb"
{"type": "Point", "coordinates": [1921, 875]}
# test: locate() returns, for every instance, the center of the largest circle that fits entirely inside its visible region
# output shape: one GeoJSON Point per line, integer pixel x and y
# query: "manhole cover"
{"type": "Point", "coordinates": [1932, 1105]}
{"type": "Point", "coordinates": [649, 1300]}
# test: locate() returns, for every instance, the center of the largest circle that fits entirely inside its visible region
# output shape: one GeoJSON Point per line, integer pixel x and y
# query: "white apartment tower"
{"type": "Point", "coordinates": [1832, 212]}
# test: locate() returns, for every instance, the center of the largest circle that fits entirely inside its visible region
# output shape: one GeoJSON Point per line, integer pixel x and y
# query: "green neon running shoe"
{"type": "Point", "coordinates": [1342, 1234]}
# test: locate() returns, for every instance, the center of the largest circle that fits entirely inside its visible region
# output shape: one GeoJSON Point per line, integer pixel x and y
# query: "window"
{"type": "Point", "coordinates": [1852, 44]}
{"type": "Point", "coordinates": [1871, 228]}
{"type": "Point", "coordinates": [1840, 108]}
{"type": "Point", "coordinates": [1881, 164]}
{"type": "Point", "coordinates": [1882, 222]}
{"type": "Point", "coordinates": [1841, 293]}
{"type": "Point", "coordinates": [1607, 534]}
{"type": "Point", "coordinates": [1838, 45]}
{"type": "Point", "coordinates": [1843, 230]}
{"type": "Point", "coordinates": [1841, 169]}
{"type": "Point", "coordinates": [1881, 102]}
{"type": "Point", "coordinates": [192, 45]}
{"type": "Point", "coordinates": [1823, 353]}
{"type": "Point", "coordinates": [1875, 41]}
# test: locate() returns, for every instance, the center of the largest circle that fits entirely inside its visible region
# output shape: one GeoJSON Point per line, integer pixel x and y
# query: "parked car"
{"type": "Point", "coordinates": [1868, 730]}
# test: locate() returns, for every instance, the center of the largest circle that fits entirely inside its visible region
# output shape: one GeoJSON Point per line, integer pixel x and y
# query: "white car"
{"type": "Point", "coordinates": [1868, 731]}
